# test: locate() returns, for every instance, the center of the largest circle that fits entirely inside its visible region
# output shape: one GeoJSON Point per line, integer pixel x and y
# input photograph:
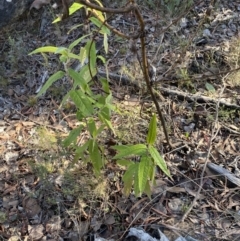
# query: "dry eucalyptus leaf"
{"type": "Point", "coordinates": [37, 4]}
{"type": "Point", "coordinates": [31, 206]}
{"type": "Point", "coordinates": [35, 231]}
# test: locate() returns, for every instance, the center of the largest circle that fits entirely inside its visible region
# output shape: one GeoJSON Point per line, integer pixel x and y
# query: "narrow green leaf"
{"type": "Point", "coordinates": [106, 113]}
{"type": "Point", "coordinates": [147, 190]}
{"type": "Point", "coordinates": [158, 160]}
{"type": "Point", "coordinates": [107, 122]}
{"type": "Point", "coordinates": [124, 162]}
{"type": "Point", "coordinates": [101, 58]}
{"type": "Point", "coordinates": [63, 58]}
{"type": "Point", "coordinates": [83, 103]}
{"type": "Point", "coordinates": [91, 52]}
{"type": "Point", "coordinates": [74, 7]}
{"type": "Point", "coordinates": [61, 50]}
{"type": "Point", "coordinates": [92, 127]}
{"type": "Point", "coordinates": [99, 14]}
{"type": "Point", "coordinates": [152, 131]}
{"type": "Point", "coordinates": [105, 85]}
{"type": "Point", "coordinates": [100, 129]}
{"type": "Point", "coordinates": [56, 20]}
{"type": "Point", "coordinates": [74, 56]}
{"type": "Point", "coordinates": [128, 178]}
{"type": "Point", "coordinates": [93, 56]}
{"type": "Point", "coordinates": [96, 157]}
{"type": "Point", "coordinates": [85, 73]}
{"type": "Point", "coordinates": [72, 137]}
{"type": "Point", "coordinates": [78, 80]}
{"type": "Point", "coordinates": [56, 76]}
{"type": "Point", "coordinates": [65, 98]}
{"type": "Point", "coordinates": [136, 186]}
{"type": "Point", "coordinates": [152, 170]}
{"type": "Point", "coordinates": [143, 172]}
{"type": "Point", "coordinates": [79, 153]}
{"type": "Point", "coordinates": [75, 27]}
{"type": "Point", "coordinates": [99, 24]}
{"type": "Point", "coordinates": [76, 98]}
{"type": "Point", "coordinates": [83, 55]}
{"type": "Point", "coordinates": [77, 41]}
{"type": "Point", "coordinates": [132, 169]}
{"type": "Point", "coordinates": [46, 49]}
{"type": "Point", "coordinates": [127, 150]}
{"type": "Point", "coordinates": [105, 42]}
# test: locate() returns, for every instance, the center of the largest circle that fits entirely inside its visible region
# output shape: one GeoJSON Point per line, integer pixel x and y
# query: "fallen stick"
{"type": "Point", "coordinates": [170, 91]}
{"type": "Point", "coordinates": [198, 98]}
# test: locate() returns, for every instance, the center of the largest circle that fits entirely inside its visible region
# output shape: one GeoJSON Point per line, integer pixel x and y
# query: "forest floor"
{"type": "Point", "coordinates": [45, 195]}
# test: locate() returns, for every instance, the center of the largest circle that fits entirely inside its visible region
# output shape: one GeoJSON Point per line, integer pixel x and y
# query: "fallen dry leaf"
{"type": "Point", "coordinates": [31, 206]}
{"type": "Point", "coordinates": [35, 231]}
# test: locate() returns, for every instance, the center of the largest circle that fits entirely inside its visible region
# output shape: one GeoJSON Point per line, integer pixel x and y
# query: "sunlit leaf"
{"type": "Point", "coordinates": [73, 56]}
{"type": "Point", "coordinates": [83, 55]}
{"type": "Point", "coordinates": [46, 49]}
{"type": "Point", "coordinates": [73, 8]}
{"type": "Point", "coordinates": [105, 42]}
{"type": "Point", "coordinates": [152, 131]}
{"type": "Point", "coordinates": [101, 58]}
{"type": "Point", "coordinates": [61, 50]}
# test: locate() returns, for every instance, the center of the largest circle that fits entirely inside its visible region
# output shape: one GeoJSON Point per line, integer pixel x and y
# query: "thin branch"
{"type": "Point", "coordinates": [146, 73]}
{"type": "Point", "coordinates": [106, 10]}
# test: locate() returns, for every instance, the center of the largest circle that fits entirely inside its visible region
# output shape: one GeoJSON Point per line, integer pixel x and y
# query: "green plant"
{"type": "Point", "coordinates": [94, 110]}
{"type": "Point", "coordinates": [143, 172]}
{"type": "Point", "coordinates": [32, 100]}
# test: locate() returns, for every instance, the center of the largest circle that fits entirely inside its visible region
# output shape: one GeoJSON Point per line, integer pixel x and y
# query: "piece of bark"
{"type": "Point", "coordinates": [224, 174]}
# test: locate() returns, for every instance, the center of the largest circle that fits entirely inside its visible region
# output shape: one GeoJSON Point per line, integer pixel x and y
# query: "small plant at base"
{"type": "Point", "coordinates": [32, 100]}
{"type": "Point", "coordinates": [143, 172]}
